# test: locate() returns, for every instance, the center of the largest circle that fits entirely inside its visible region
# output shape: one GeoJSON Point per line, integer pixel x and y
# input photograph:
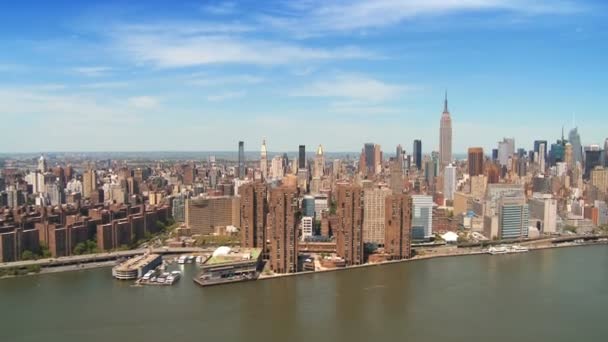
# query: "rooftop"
{"type": "Point", "coordinates": [236, 255]}
{"type": "Point", "coordinates": [137, 262]}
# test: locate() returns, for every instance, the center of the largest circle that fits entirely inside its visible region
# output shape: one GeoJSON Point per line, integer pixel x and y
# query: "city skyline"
{"type": "Point", "coordinates": [110, 77]}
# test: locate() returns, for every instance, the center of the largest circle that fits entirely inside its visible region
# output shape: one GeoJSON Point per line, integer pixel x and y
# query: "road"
{"type": "Point", "coordinates": [78, 259]}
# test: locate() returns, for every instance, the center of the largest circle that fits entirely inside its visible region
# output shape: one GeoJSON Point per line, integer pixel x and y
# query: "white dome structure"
{"type": "Point", "coordinates": [221, 251]}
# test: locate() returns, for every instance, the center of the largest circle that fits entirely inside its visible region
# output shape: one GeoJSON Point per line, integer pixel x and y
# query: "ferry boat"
{"type": "Point", "coordinates": [181, 260]}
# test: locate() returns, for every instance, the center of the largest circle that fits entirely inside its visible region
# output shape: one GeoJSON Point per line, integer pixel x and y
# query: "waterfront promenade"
{"type": "Point", "coordinates": [102, 257]}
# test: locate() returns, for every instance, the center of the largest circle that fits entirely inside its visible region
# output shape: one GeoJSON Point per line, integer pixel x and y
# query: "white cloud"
{"type": "Point", "coordinates": [182, 46]}
{"type": "Point", "coordinates": [355, 87]}
{"type": "Point", "coordinates": [204, 80]}
{"type": "Point", "coordinates": [221, 8]}
{"type": "Point", "coordinates": [144, 102]}
{"type": "Point", "coordinates": [318, 17]}
{"type": "Point", "coordinates": [225, 96]}
{"type": "Point", "coordinates": [94, 71]}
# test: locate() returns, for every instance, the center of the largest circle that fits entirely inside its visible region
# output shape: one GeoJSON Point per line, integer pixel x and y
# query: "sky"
{"type": "Point", "coordinates": [202, 75]}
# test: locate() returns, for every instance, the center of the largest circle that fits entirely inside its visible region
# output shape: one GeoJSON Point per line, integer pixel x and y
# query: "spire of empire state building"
{"type": "Point", "coordinates": [445, 135]}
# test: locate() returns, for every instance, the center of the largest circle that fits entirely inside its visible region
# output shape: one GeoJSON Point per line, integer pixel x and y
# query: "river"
{"type": "Point", "coordinates": [550, 295]}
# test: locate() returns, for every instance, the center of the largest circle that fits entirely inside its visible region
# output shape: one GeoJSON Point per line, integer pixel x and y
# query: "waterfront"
{"type": "Point", "coordinates": [549, 295]}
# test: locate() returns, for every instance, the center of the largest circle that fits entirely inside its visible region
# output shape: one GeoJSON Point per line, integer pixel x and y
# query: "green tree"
{"type": "Point", "coordinates": [80, 248]}
{"type": "Point", "coordinates": [28, 255]}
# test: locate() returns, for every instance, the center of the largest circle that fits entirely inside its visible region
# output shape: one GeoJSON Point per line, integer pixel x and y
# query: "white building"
{"type": "Point", "coordinates": [506, 148]}
{"type": "Point", "coordinates": [306, 226]}
{"type": "Point", "coordinates": [543, 213]}
{"type": "Point", "coordinates": [422, 216]}
{"type": "Point", "coordinates": [449, 182]}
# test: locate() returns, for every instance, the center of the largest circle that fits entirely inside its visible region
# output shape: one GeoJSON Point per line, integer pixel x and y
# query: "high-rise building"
{"type": "Point", "coordinates": [599, 178]}
{"type": "Point", "coordinates": [506, 149]}
{"type": "Point", "coordinates": [543, 213]}
{"type": "Point", "coordinates": [241, 165]}
{"type": "Point", "coordinates": [398, 226]}
{"type": "Point", "coordinates": [541, 157]}
{"type": "Point", "coordinates": [449, 182]}
{"type": "Point", "coordinates": [492, 173]}
{"type": "Point", "coordinates": [475, 160]}
{"type": "Point", "coordinates": [417, 154]}
{"type": "Point", "coordinates": [276, 168]}
{"type": "Point", "coordinates": [283, 230]}
{"type": "Point", "coordinates": [569, 156]}
{"type": "Point", "coordinates": [377, 159]}
{"type": "Point", "coordinates": [369, 154]}
{"type": "Point", "coordinates": [89, 182]}
{"type": "Point", "coordinates": [302, 157]}
{"type": "Point", "coordinates": [373, 214]}
{"type": "Point", "coordinates": [537, 144]}
{"type": "Point", "coordinates": [264, 160]}
{"type": "Point", "coordinates": [396, 174]}
{"type": "Point", "coordinates": [593, 158]}
{"type": "Point", "coordinates": [513, 217]}
{"type": "Point", "coordinates": [349, 232]}
{"type": "Point", "coordinates": [577, 149]}
{"type": "Point", "coordinates": [422, 216]}
{"type": "Point", "coordinates": [319, 166]}
{"type": "Point", "coordinates": [206, 214]}
{"type": "Point", "coordinates": [253, 211]}
{"type": "Point", "coordinates": [42, 165]}
{"type": "Point", "coordinates": [445, 135]}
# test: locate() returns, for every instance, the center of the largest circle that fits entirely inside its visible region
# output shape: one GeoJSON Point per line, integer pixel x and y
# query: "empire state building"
{"type": "Point", "coordinates": [445, 135]}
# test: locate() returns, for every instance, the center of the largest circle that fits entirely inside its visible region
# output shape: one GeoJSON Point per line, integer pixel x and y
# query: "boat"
{"type": "Point", "coordinates": [519, 249]}
{"type": "Point", "coordinates": [190, 259]}
{"type": "Point", "coordinates": [498, 250]}
{"type": "Point", "coordinates": [181, 260]}
{"type": "Point", "coordinates": [147, 276]}
{"type": "Point", "coordinates": [199, 259]}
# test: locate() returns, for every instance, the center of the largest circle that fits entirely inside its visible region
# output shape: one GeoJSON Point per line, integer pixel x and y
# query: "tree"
{"type": "Point", "coordinates": [45, 252]}
{"type": "Point", "coordinates": [80, 248]}
{"type": "Point", "coordinates": [28, 255]}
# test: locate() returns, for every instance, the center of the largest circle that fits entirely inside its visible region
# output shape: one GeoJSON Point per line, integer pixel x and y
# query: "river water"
{"type": "Point", "coordinates": [551, 295]}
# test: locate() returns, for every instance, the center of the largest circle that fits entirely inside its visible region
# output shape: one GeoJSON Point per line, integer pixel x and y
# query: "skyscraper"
{"type": "Point", "coordinates": [264, 160]}
{"type": "Point", "coordinates": [349, 234]}
{"type": "Point", "coordinates": [537, 144]}
{"type": "Point", "coordinates": [241, 165]}
{"type": "Point", "coordinates": [445, 135]}
{"type": "Point", "coordinates": [369, 152]}
{"type": "Point", "coordinates": [283, 230]}
{"type": "Point", "coordinates": [542, 153]}
{"type": "Point", "coordinates": [449, 182]}
{"type": "Point", "coordinates": [513, 216]}
{"type": "Point", "coordinates": [302, 157]}
{"type": "Point", "coordinates": [417, 154]}
{"type": "Point", "coordinates": [398, 226]}
{"type": "Point", "coordinates": [593, 158]}
{"type": "Point", "coordinates": [422, 216]}
{"type": "Point", "coordinates": [254, 209]}
{"type": "Point", "coordinates": [506, 149]}
{"type": "Point", "coordinates": [319, 165]}
{"type": "Point", "coordinates": [475, 160]}
{"type": "Point", "coordinates": [373, 214]}
{"type": "Point", "coordinates": [396, 173]}
{"type": "Point", "coordinates": [577, 149]}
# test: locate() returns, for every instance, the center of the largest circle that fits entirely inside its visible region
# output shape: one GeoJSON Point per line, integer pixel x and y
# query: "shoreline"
{"type": "Point", "coordinates": [421, 258]}
{"type": "Point", "coordinates": [102, 264]}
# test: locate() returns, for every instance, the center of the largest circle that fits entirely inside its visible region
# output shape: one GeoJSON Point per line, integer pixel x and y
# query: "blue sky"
{"type": "Point", "coordinates": [201, 75]}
